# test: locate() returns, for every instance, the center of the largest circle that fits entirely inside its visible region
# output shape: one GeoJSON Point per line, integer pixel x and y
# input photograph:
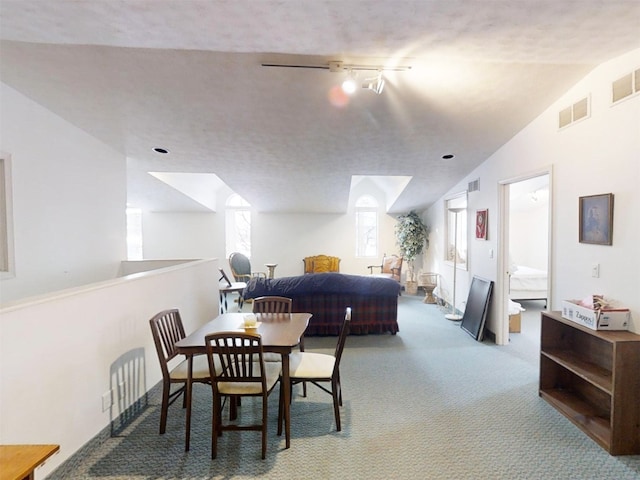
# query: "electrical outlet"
{"type": "Point", "coordinates": [106, 401]}
{"type": "Point", "coordinates": [595, 270]}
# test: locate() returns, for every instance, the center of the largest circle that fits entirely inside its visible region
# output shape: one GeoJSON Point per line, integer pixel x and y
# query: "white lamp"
{"type": "Point", "coordinates": [453, 316]}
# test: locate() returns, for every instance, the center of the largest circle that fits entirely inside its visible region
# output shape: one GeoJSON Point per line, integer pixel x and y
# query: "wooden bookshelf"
{"type": "Point", "coordinates": [593, 378]}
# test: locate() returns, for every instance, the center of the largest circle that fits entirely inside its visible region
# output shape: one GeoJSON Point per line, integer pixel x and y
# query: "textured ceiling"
{"type": "Point", "coordinates": [186, 75]}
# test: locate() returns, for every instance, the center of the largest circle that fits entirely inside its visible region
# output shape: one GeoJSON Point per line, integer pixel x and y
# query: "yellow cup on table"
{"type": "Point", "coordinates": [250, 321]}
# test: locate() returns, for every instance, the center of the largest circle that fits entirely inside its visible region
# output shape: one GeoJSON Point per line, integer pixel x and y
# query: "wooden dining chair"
{"type": "Point", "coordinates": [167, 329]}
{"type": "Point", "coordinates": [243, 373]}
{"type": "Point", "coordinates": [275, 304]}
{"type": "Point", "coordinates": [272, 304]}
{"type": "Point", "coordinates": [320, 369]}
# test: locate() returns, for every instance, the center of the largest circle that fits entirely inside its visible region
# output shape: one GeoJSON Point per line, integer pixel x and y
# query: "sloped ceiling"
{"type": "Point", "coordinates": [186, 75]}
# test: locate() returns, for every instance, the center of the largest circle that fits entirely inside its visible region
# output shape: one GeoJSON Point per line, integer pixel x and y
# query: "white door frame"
{"type": "Point", "coordinates": [502, 278]}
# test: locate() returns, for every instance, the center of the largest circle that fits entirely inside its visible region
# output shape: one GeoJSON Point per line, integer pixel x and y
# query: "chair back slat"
{"type": "Point", "coordinates": [272, 304]}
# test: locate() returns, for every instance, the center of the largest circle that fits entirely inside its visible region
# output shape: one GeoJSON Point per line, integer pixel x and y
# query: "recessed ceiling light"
{"type": "Point", "coordinates": [161, 150]}
{"type": "Point", "coordinates": [448, 156]}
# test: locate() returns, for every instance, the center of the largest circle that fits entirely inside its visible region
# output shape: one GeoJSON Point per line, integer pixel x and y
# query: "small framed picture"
{"type": "Point", "coordinates": [224, 277]}
{"type": "Point", "coordinates": [482, 216]}
{"type": "Point", "coordinates": [596, 219]}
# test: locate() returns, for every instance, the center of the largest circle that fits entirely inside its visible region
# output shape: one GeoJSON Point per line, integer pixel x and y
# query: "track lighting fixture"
{"type": "Point", "coordinates": [349, 86]}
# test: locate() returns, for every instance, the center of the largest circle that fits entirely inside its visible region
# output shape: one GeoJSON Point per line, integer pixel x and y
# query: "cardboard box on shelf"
{"type": "Point", "coordinates": [515, 323]}
{"type": "Point", "coordinates": [605, 319]}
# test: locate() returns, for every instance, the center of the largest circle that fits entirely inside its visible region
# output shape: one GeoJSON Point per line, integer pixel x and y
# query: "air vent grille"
{"type": "Point", "coordinates": [474, 185]}
{"type": "Point", "coordinates": [625, 86]}
{"type": "Point", "coordinates": [580, 109]}
{"type": "Point", "coordinates": [565, 117]}
{"type": "Point", "coordinates": [571, 114]}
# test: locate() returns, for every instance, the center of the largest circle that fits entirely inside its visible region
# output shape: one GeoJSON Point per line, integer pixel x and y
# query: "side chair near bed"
{"type": "Point", "coordinates": [241, 268]}
{"type": "Point", "coordinates": [391, 267]}
{"type": "Point", "coordinates": [167, 329]}
{"type": "Point", "coordinates": [320, 369]}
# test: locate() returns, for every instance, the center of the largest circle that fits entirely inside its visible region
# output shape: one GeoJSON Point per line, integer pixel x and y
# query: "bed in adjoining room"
{"type": "Point", "coordinates": [527, 283]}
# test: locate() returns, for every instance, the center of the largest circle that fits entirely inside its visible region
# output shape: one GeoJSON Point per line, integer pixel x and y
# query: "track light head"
{"type": "Point", "coordinates": [349, 85]}
{"type": "Point", "coordinates": [375, 84]}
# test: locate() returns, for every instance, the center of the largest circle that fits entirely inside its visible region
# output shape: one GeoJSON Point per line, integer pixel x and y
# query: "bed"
{"type": "Point", "coordinates": [527, 283]}
{"type": "Point", "coordinates": [373, 300]}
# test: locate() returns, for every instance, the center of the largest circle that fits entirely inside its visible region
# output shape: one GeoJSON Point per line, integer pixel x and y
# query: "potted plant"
{"type": "Point", "coordinates": [411, 236]}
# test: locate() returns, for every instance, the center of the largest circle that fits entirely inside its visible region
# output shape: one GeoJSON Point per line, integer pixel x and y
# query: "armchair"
{"type": "Point", "coordinates": [241, 268]}
{"type": "Point", "coordinates": [391, 267]}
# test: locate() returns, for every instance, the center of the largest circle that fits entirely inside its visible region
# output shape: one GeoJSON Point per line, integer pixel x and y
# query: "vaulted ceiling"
{"type": "Point", "coordinates": [187, 76]}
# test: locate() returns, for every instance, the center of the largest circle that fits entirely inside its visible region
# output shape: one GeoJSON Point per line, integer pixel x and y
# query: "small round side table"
{"type": "Point", "coordinates": [428, 281]}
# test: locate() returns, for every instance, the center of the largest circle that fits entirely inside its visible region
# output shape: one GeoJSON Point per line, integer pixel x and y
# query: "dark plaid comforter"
{"type": "Point", "coordinates": [373, 301]}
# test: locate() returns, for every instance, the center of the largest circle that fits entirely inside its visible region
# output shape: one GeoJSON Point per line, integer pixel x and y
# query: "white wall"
{"type": "Point", "coordinates": [69, 196]}
{"type": "Point", "coordinates": [529, 236]}
{"type": "Point", "coordinates": [58, 351]}
{"type": "Point", "coordinates": [597, 155]}
{"type": "Point", "coordinates": [282, 238]}
{"type": "Point", "coordinates": [182, 235]}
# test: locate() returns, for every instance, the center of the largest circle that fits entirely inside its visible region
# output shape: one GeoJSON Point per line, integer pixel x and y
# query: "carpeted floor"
{"type": "Point", "coordinates": [427, 403]}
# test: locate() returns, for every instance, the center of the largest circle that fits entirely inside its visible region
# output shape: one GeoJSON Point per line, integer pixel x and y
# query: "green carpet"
{"type": "Point", "coordinates": [427, 403]}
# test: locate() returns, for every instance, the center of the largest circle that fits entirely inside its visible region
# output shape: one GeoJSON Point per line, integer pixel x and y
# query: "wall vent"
{"type": "Point", "coordinates": [474, 185]}
{"type": "Point", "coordinates": [625, 86]}
{"type": "Point", "coordinates": [571, 114]}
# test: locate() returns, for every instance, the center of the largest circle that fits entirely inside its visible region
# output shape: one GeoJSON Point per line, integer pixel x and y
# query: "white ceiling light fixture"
{"type": "Point", "coordinates": [375, 84]}
{"type": "Point", "coordinates": [349, 85]}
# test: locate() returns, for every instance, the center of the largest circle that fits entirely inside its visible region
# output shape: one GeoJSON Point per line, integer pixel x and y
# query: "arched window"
{"type": "Point", "coordinates": [237, 225]}
{"type": "Point", "coordinates": [366, 226]}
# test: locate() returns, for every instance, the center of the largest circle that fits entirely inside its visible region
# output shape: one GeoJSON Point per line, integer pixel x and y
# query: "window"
{"type": "Point", "coordinates": [456, 237]}
{"type": "Point", "coordinates": [366, 227]}
{"type": "Point", "coordinates": [134, 234]}
{"type": "Point", "coordinates": [238, 226]}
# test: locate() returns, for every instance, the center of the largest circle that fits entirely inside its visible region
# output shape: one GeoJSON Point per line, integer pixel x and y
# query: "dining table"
{"type": "Point", "coordinates": [280, 333]}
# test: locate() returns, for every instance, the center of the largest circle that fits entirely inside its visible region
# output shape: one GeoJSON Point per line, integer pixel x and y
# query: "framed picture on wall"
{"type": "Point", "coordinates": [596, 219]}
{"type": "Point", "coordinates": [482, 216]}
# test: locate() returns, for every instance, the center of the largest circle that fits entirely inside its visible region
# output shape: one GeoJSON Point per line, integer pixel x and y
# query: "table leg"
{"type": "Point", "coordinates": [187, 428]}
{"type": "Point", "coordinates": [221, 298]}
{"type": "Point", "coordinates": [286, 395]}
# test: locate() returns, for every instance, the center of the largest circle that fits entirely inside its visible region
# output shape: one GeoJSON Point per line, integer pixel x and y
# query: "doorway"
{"type": "Point", "coordinates": [525, 253]}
